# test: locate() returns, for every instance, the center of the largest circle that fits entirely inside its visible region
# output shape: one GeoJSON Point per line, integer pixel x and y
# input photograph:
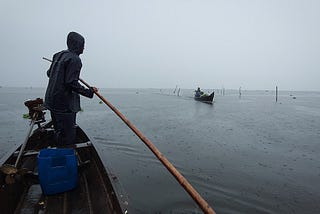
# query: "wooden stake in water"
{"type": "Point", "coordinates": [276, 93]}
{"type": "Point", "coordinates": [175, 89]}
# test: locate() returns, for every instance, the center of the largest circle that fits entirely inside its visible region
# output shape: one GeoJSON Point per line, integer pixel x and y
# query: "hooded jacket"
{"type": "Point", "coordinates": [62, 94]}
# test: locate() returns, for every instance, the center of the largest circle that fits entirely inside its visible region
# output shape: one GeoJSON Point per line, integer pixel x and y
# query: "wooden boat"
{"type": "Point", "coordinates": [20, 191]}
{"type": "Point", "coordinates": [205, 98]}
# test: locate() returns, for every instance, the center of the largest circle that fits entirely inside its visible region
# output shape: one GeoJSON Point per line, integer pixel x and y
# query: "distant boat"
{"type": "Point", "coordinates": [204, 97]}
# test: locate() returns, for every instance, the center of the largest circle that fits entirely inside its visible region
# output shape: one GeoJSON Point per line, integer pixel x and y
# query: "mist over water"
{"type": "Point", "coordinates": [244, 154]}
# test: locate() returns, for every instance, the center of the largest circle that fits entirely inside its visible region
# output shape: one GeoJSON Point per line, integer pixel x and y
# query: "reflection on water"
{"type": "Point", "coordinates": [243, 155]}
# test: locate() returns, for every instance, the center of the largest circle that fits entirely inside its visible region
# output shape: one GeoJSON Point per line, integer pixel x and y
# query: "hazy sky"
{"type": "Point", "coordinates": [255, 44]}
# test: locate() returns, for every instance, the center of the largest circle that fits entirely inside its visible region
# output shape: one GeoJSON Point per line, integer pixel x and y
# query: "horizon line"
{"type": "Point", "coordinates": [153, 88]}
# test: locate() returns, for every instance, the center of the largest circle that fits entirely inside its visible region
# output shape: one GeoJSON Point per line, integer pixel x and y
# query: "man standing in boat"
{"type": "Point", "coordinates": [62, 94]}
{"type": "Point", "coordinates": [199, 93]}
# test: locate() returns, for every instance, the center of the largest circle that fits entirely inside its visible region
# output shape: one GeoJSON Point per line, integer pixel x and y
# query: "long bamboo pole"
{"type": "Point", "coordinates": [185, 184]}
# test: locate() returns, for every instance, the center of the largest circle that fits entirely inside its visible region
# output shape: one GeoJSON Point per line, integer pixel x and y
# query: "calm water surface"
{"type": "Point", "coordinates": [243, 155]}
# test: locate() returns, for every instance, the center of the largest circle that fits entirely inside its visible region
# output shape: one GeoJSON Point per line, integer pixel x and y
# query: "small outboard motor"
{"type": "Point", "coordinates": [36, 110]}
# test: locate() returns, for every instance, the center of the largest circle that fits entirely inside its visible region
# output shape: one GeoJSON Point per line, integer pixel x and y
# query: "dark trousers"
{"type": "Point", "coordinates": [64, 127]}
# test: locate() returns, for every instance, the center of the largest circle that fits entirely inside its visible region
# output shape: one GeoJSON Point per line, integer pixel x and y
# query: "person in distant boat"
{"type": "Point", "coordinates": [62, 93]}
{"type": "Point", "coordinates": [199, 93]}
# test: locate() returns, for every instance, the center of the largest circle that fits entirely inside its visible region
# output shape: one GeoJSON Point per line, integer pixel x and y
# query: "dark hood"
{"type": "Point", "coordinates": [75, 43]}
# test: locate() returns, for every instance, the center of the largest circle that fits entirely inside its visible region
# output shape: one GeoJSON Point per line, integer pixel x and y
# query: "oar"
{"type": "Point", "coordinates": [33, 120]}
{"type": "Point", "coordinates": [186, 185]}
